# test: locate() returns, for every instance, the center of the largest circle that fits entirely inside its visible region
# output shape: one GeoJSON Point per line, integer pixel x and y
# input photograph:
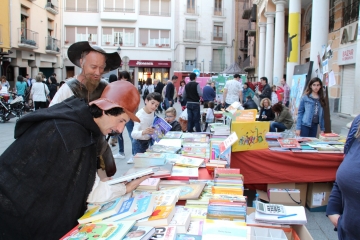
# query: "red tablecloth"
{"type": "Point", "coordinates": [265, 166]}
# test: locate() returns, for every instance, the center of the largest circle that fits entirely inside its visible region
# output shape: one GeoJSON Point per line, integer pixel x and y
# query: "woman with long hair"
{"type": "Point", "coordinates": [148, 87]}
{"type": "Point", "coordinates": [266, 113]}
{"type": "Point", "coordinates": [311, 110]}
{"type": "Point", "coordinates": [53, 86]}
{"type": "Point", "coordinates": [283, 119]}
{"type": "Point", "coordinates": [180, 93]}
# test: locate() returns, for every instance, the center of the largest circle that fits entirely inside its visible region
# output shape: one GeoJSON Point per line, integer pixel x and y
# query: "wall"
{"type": "Point", "coordinates": [5, 22]}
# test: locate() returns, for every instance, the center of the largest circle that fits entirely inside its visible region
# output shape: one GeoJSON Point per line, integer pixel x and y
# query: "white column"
{"type": "Point", "coordinates": [269, 51]}
{"type": "Point", "coordinates": [16, 74]}
{"type": "Point", "coordinates": [34, 72]}
{"type": "Point", "coordinates": [293, 57]}
{"type": "Point", "coordinates": [319, 30]}
{"type": "Point", "coordinates": [279, 49]}
{"type": "Point", "coordinates": [356, 108]}
{"type": "Point", "coordinates": [262, 37]}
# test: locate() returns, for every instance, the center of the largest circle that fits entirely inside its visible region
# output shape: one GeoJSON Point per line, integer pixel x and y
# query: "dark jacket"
{"type": "Point", "coordinates": [44, 187]}
{"type": "Point", "coordinates": [159, 87]}
{"type": "Point", "coordinates": [175, 126]}
{"type": "Point", "coordinates": [52, 89]}
{"type": "Point", "coordinates": [285, 118]}
{"type": "Point", "coordinates": [191, 92]}
{"type": "Point", "coordinates": [266, 92]}
{"type": "Point", "coordinates": [170, 90]}
{"type": "Point", "coordinates": [208, 93]}
{"type": "Point", "coordinates": [250, 104]}
{"type": "Point", "coordinates": [269, 114]}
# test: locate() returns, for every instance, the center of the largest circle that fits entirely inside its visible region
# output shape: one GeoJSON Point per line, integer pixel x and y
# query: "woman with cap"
{"type": "Point", "coordinates": [45, 190]}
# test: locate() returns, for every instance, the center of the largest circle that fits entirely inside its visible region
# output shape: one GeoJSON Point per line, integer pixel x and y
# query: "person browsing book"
{"type": "Point", "coordinates": [170, 117]}
{"type": "Point", "coordinates": [44, 190]}
{"type": "Point", "coordinates": [142, 131]}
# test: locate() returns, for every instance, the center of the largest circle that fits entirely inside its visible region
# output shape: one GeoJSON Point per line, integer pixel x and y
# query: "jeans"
{"type": "Point", "coordinates": [167, 103]}
{"type": "Point", "coordinates": [129, 126]}
{"type": "Point", "coordinates": [309, 131]}
{"type": "Point", "coordinates": [193, 110]}
{"type": "Point", "coordinates": [277, 125]}
{"type": "Point", "coordinates": [140, 146]}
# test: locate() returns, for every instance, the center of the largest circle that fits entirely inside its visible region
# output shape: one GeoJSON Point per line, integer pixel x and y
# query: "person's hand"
{"type": "Point", "coordinates": [297, 133]}
{"type": "Point", "coordinates": [264, 116]}
{"type": "Point", "coordinates": [170, 102]}
{"type": "Point", "coordinates": [334, 219]}
{"type": "Point", "coordinates": [259, 92]}
{"type": "Point", "coordinates": [130, 186]}
{"type": "Point", "coordinates": [148, 130]}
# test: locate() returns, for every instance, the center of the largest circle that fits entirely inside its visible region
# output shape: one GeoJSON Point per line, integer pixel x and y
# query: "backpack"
{"type": "Point", "coordinates": [146, 92]}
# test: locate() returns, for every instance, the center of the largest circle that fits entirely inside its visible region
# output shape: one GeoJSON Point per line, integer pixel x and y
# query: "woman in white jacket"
{"type": "Point", "coordinates": [38, 93]}
{"type": "Point", "coordinates": [149, 86]}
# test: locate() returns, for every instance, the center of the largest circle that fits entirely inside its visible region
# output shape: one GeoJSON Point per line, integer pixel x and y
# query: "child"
{"type": "Point", "coordinates": [142, 131]}
{"type": "Point", "coordinates": [274, 97]}
{"type": "Point", "coordinates": [170, 117]}
{"type": "Point", "coordinates": [210, 118]}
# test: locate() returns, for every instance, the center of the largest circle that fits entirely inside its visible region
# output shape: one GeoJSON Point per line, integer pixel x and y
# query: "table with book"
{"type": "Point", "coordinates": [192, 168]}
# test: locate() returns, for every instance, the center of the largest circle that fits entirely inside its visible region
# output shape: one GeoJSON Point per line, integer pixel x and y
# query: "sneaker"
{"type": "Point", "coordinates": [131, 160]}
{"type": "Point", "coordinates": [119, 155]}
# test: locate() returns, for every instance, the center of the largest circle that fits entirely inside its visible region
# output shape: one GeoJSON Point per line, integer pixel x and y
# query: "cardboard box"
{"type": "Point", "coordinates": [295, 232]}
{"type": "Point", "coordinates": [251, 135]}
{"type": "Point", "coordinates": [276, 193]}
{"type": "Point", "coordinates": [318, 196]}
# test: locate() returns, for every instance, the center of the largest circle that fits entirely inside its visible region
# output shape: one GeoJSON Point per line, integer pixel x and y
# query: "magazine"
{"type": "Point", "coordinates": [161, 127]}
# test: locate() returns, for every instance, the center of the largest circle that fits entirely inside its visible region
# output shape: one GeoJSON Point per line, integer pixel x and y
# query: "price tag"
{"type": "Point", "coordinates": [229, 141]}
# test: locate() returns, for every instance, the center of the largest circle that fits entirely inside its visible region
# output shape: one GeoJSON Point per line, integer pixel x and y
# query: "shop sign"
{"type": "Point", "coordinates": [347, 55]}
{"type": "Point", "coordinates": [149, 63]}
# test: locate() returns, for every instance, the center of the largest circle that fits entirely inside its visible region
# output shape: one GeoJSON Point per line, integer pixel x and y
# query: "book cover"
{"type": "Point", "coordinates": [196, 227]}
{"type": "Point", "coordinates": [182, 221]}
{"type": "Point", "coordinates": [195, 212]}
{"type": "Point", "coordinates": [161, 212]}
{"type": "Point", "coordinates": [165, 199]}
{"type": "Point", "coordinates": [227, 171]}
{"type": "Point", "coordinates": [150, 183]}
{"type": "Point", "coordinates": [161, 127]}
{"type": "Point", "coordinates": [289, 143]}
{"type": "Point", "coordinates": [127, 208]}
{"type": "Point", "coordinates": [193, 135]}
{"type": "Point", "coordinates": [164, 233]}
{"type": "Point", "coordinates": [216, 155]}
{"type": "Point", "coordinates": [105, 210]}
{"type": "Point", "coordinates": [187, 237]}
{"type": "Point", "coordinates": [173, 135]}
{"type": "Point", "coordinates": [188, 161]}
{"type": "Point", "coordinates": [145, 207]}
{"type": "Point", "coordinates": [160, 171]}
{"type": "Point", "coordinates": [140, 233]}
{"type": "Point", "coordinates": [161, 216]}
{"type": "Point", "coordinates": [178, 171]}
{"type": "Point", "coordinates": [129, 176]}
{"type": "Point", "coordinates": [157, 148]}
{"type": "Point", "coordinates": [99, 231]}
{"type": "Point", "coordinates": [188, 191]}
{"type": "Point", "coordinates": [169, 142]}
{"type": "Point", "coordinates": [229, 230]}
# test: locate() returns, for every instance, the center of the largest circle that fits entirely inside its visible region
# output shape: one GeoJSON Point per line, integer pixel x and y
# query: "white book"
{"type": "Point", "coordinates": [185, 172]}
{"type": "Point", "coordinates": [294, 215]}
{"type": "Point", "coordinates": [182, 221]}
{"type": "Point", "coordinates": [132, 176]}
{"type": "Point", "coordinates": [195, 227]}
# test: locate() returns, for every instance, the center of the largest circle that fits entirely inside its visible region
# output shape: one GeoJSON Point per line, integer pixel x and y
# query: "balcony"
{"type": "Point", "coordinates": [351, 13]}
{"type": "Point", "coordinates": [217, 67]}
{"type": "Point", "coordinates": [247, 65]}
{"type": "Point", "coordinates": [28, 38]}
{"type": "Point", "coordinates": [219, 12]}
{"type": "Point", "coordinates": [51, 8]}
{"type": "Point", "coordinates": [118, 14]}
{"type": "Point", "coordinates": [1, 40]}
{"type": "Point", "coordinates": [82, 9]}
{"type": "Point", "coordinates": [156, 44]}
{"type": "Point", "coordinates": [119, 10]}
{"type": "Point", "coordinates": [52, 45]}
{"type": "Point", "coordinates": [218, 38]}
{"type": "Point", "coordinates": [191, 36]}
{"type": "Point", "coordinates": [246, 11]}
{"type": "Point", "coordinates": [191, 10]}
{"type": "Point", "coordinates": [190, 65]}
{"type": "Point", "coordinates": [243, 46]}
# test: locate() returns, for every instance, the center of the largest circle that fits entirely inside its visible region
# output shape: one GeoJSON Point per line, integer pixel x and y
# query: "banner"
{"type": "Point", "coordinates": [293, 37]}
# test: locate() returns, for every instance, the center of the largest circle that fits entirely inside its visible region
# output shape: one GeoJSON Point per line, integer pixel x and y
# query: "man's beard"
{"type": "Point", "coordinates": [91, 84]}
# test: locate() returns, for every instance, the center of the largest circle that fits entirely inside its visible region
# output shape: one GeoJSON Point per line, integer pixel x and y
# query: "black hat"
{"type": "Point", "coordinates": [113, 60]}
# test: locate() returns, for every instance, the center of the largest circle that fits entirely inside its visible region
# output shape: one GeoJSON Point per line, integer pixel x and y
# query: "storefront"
{"type": "Point", "coordinates": [151, 69]}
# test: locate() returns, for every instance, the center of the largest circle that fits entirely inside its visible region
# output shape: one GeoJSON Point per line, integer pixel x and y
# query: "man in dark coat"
{"type": "Point", "coordinates": [159, 86]}
{"type": "Point", "coordinates": [266, 91]}
{"type": "Point", "coordinates": [44, 185]}
{"type": "Point", "coordinates": [250, 104]}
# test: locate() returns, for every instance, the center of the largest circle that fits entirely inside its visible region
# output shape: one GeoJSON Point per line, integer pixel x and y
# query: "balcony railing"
{"type": "Point", "coordinates": [81, 9]}
{"type": "Point", "coordinates": [159, 45]}
{"type": "Point", "coordinates": [351, 13]}
{"type": "Point", "coordinates": [28, 38]}
{"type": "Point", "coordinates": [123, 10]}
{"type": "Point", "coordinates": [191, 10]}
{"type": "Point", "coordinates": [243, 45]}
{"type": "Point", "coordinates": [191, 35]}
{"type": "Point", "coordinates": [219, 12]}
{"type": "Point", "coordinates": [51, 8]}
{"type": "Point", "coordinates": [218, 37]}
{"type": "Point", "coordinates": [52, 45]}
{"type": "Point", "coordinates": [217, 67]}
{"type": "Point", "coordinates": [156, 13]}
{"type": "Point", "coordinates": [308, 35]}
{"type": "Point", "coordinates": [1, 40]}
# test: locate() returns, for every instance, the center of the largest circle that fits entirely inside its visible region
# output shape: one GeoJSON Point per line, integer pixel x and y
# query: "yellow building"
{"type": "Point", "coordinates": [4, 29]}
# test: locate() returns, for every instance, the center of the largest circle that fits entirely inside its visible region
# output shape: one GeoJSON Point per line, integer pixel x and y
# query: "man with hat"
{"type": "Point", "coordinates": [93, 61]}
{"type": "Point", "coordinates": [45, 186]}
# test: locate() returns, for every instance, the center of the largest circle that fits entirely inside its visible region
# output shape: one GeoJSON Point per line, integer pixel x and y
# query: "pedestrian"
{"type": "Point", "coordinates": [250, 104]}
{"type": "Point", "coordinates": [286, 91]}
{"type": "Point", "coordinates": [232, 91]}
{"type": "Point", "coordinates": [266, 90]}
{"type": "Point", "coordinates": [53, 87]}
{"type": "Point", "coordinates": [210, 116]}
{"type": "Point", "coordinates": [283, 119]}
{"type": "Point", "coordinates": [45, 199]}
{"type": "Point", "coordinates": [170, 117]}
{"type": "Point", "coordinates": [5, 83]}
{"type": "Point", "coordinates": [213, 85]}
{"type": "Point", "coordinates": [247, 91]}
{"type": "Point", "coordinates": [266, 113]}
{"type": "Point", "coordinates": [311, 110]}
{"type": "Point", "coordinates": [274, 97]}
{"type": "Point", "coordinates": [148, 87]}
{"type": "Point", "coordinates": [209, 94]}
{"type": "Point", "coordinates": [21, 86]}
{"type": "Point", "coordinates": [180, 93]}
{"type": "Point", "coordinates": [39, 93]}
{"type": "Point", "coordinates": [170, 92]}
{"type": "Point", "coordinates": [159, 86]}
{"type": "Point", "coordinates": [192, 94]}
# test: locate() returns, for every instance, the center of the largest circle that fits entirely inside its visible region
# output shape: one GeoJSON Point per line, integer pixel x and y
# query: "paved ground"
{"type": "Point", "coordinates": [318, 224]}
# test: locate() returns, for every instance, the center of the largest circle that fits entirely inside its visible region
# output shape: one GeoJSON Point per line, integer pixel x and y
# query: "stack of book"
{"type": "Point", "coordinates": [219, 129]}
{"type": "Point", "coordinates": [195, 138]}
{"type": "Point", "coordinates": [229, 177]}
{"type": "Point", "coordinates": [326, 148]}
{"type": "Point", "coordinates": [226, 209]}
{"type": "Point", "coordinates": [149, 159]}
{"type": "Point", "coordinates": [173, 135]}
{"type": "Point", "coordinates": [329, 137]}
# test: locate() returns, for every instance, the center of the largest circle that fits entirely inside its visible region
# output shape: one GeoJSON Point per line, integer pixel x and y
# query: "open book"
{"type": "Point", "coordinates": [161, 127]}
{"type": "Point", "coordinates": [132, 176]}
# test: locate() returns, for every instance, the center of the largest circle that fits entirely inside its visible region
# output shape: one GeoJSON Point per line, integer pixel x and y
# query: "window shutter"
{"type": "Point", "coordinates": [144, 35]}
{"type": "Point", "coordinates": [190, 54]}
{"type": "Point", "coordinates": [70, 5]}
{"type": "Point", "coordinates": [70, 34]}
{"type": "Point", "coordinates": [92, 5]}
{"type": "Point", "coordinates": [107, 31]}
{"type": "Point", "coordinates": [154, 7]}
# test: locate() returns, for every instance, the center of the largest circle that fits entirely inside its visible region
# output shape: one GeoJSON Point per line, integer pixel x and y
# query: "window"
{"type": "Point", "coordinates": [86, 34]}
{"type": "Point", "coordinates": [70, 35]}
{"type": "Point", "coordinates": [217, 60]}
{"type": "Point", "coordinates": [191, 30]}
{"type": "Point", "coordinates": [218, 32]}
{"type": "Point", "coordinates": [118, 36]}
{"type": "Point", "coordinates": [190, 59]}
{"type": "Point", "coordinates": [190, 6]}
{"type": "Point", "coordinates": [50, 26]}
{"type": "Point", "coordinates": [119, 6]}
{"type": "Point", "coordinates": [218, 7]}
{"type": "Point", "coordinates": [154, 38]}
{"type": "Point", "coordinates": [155, 7]}
{"type": "Point", "coordinates": [81, 5]}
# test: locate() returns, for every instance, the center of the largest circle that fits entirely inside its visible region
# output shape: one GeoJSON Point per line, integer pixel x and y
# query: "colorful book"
{"type": "Point", "coordinates": [195, 212]}
{"type": "Point", "coordinates": [289, 143]}
{"type": "Point", "coordinates": [165, 199]}
{"type": "Point", "coordinates": [227, 171]}
{"type": "Point", "coordinates": [101, 211]}
{"type": "Point", "coordinates": [127, 208]}
{"type": "Point", "coordinates": [188, 161]}
{"type": "Point", "coordinates": [140, 233]}
{"type": "Point", "coordinates": [187, 191]}
{"type": "Point", "coordinates": [164, 233]}
{"type": "Point", "coordinates": [145, 207]}
{"type": "Point", "coordinates": [187, 237]}
{"type": "Point", "coordinates": [229, 230]}
{"type": "Point", "coordinates": [173, 135]}
{"type": "Point", "coordinates": [99, 231]}
{"type": "Point", "coordinates": [149, 159]}
{"type": "Point", "coordinates": [178, 171]}
{"type": "Point", "coordinates": [161, 127]}
{"type": "Point", "coordinates": [195, 227]}
{"type": "Point", "coordinates": [161, 216]}
{"type": "Point", "coordinates": [329, 136]}
{"type": "Point", "coordinates": [182, 221]}
{"type": "Point", "coordinates": [149, 184]}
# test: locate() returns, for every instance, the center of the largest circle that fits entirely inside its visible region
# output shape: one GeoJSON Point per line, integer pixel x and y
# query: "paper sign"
{"type": "Point", "coordinates": [318, 198]}
{"type": "Point", "coordinates": [245, 115]}
{"type": "Point", "coordinates": [325, 66]}
{"type": "Point", "coordinates": [229, 141]}
{"type": "Point", "coordinates": [332, 80]}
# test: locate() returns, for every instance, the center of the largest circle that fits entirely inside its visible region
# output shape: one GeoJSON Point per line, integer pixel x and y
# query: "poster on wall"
{"type": "Point", "coordinates": [220, 82]}
{"type": "Point", "coordinates": [293, 37]}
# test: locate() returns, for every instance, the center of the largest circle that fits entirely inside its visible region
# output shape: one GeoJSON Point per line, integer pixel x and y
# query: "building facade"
{"type": "Point", "coordinates": [141, 31]}
{"type": "Point", "coordinates": [34, 39]}
{"type": "Point", "coordinates": [294, 32]}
